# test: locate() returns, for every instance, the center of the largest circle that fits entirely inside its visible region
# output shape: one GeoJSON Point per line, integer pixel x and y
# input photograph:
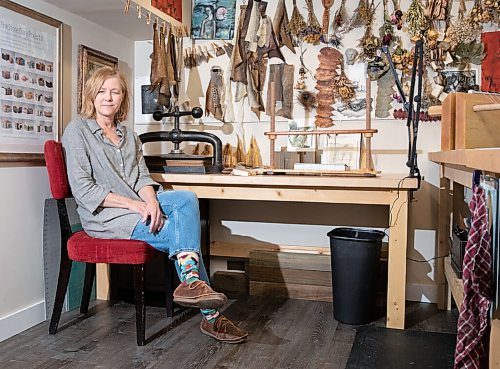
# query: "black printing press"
{"type": "Point", "coordinates": [177, 161]}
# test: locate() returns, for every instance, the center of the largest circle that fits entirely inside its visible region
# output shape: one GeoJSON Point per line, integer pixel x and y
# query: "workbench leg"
{"type": "Point", "coordinates": [443, 236]}
{"type": "Point", "coordinates": [396, 281]}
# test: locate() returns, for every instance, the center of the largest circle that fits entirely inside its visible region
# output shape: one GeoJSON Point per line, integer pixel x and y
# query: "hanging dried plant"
{"type": "Point", "coordinates": [402, 59]}
{"type": "Point", "coordinates": [396, 18]}
{"type": "Point", "coordinates": [344, 88]}
{"type": "Point", "coordinates": [363, 14]}
{"type": "Point", "coordinates": [492, 7]}
{"type": "Point", "coordinates": [437, 10]}
{"type": "Point", "coordinates": [387, 29]}
{"type": "Point", "coordinates": [340, 18]}
{"type": "Point", "coordinates": [327, 4]}
{"type": "Point", "coordinates": [465, 30]}
{"type": "Point", "coordinates": [480, 13]}
{"type": "Point", "coordinates": [297, 22]}
{"type": "Point", "coordinates": [312, 32]}
{"type": "Point", "coordinates": [466, 54]}
{"type": "Point", "coordinates": [415, 18]}
{"type": "Point", "coordinates": [307, 99]}
{"type": "Point", "coordinates": [369, 44]}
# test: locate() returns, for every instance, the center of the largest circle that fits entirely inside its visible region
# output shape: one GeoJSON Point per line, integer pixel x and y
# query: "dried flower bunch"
{"type": "Point", "coordinates": [344, 88]}
{"type": "Point", "coordinates": [342, 23]}
{"type": "Point", "coordinates": [363, 14]}
{"type": "Point", "coordinates": [387, 28]}
{"type": "Point", "coordinates": [396, 18]}
{"type": "Point", "coordinates": [402, 59]}
{"type": "Point", "coordinates": [493, 9]}
{"type": "Point", "coordinates": [416, 20]}
{"type": "Point", "coordinates": [466, 54]}
{"type": "Point", "coordinates": [297, 22]}
{"type": "Point", "coordinates": [311, 33]}
{"type": "Point", "coordinates": [485, 11]}
{"type": "Point", "coordinates": [465, 30]}
{"type": "Point", "coordinates": [340, 17]}
{"type": "Point", "coordinates": [369, 45]}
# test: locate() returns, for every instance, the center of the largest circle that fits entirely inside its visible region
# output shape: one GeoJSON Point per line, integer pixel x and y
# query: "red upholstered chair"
{"type": "Point", "coordinates": [79, 246]}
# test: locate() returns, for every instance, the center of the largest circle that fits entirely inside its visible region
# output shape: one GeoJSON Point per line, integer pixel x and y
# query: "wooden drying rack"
{"type": "Point", "coordinates": [367, 133]}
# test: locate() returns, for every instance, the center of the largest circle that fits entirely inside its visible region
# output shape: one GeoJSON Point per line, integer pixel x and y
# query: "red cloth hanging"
{"type": "Point", "coordinates": [472, 330]}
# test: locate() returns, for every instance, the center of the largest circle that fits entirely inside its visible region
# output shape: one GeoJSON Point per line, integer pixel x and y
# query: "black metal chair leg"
{"type": "Point", "coordinates": [87, 287]}
{"type": "Point", "coordinates": [140, 306]}
{"type": "Point", "coordinates": [169, 285]}
{"type": "Point", "coordinates": [62, 286]}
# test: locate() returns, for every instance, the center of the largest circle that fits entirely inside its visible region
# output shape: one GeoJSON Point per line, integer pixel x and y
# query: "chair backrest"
{"type": "Point", "coordinates": [56, 168]}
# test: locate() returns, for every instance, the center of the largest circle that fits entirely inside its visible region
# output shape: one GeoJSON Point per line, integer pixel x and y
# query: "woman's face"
{"type": "Point", "coordinates": [109, 98]}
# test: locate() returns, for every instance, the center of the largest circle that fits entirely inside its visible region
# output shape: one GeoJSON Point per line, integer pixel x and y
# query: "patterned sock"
{"type": "Point", "coordinates": [188, 263]}
{"type": "Point", "coordinates": [210, 315]}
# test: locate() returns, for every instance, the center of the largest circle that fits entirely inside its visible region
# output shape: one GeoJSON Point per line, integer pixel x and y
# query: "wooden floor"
{"type": "Point", "coordinates": [283, 334]}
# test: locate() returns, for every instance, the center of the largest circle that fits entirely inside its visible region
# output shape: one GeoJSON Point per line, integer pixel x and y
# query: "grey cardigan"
{"type": "Point", "coordinates": [97, 167]}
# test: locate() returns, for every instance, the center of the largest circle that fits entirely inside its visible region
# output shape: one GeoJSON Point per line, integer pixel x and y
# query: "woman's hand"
{"type": "Point", "coordinates": [139, 207]}
{"type": "Point", "coordinates": [156, 216]}
{"type": "Point", "coordinates": [148, 194]}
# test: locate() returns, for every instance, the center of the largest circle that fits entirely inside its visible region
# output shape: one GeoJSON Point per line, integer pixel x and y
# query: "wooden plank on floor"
{"type": "Point", "coordinates": [289, 260]}
{"type": "Point", "coordinates": [290, 276]}
{"type": "Point", "coordinates": [292, 291]}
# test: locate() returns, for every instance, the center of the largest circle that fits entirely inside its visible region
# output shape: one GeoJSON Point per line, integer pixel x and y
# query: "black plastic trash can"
{"type": "Point", "coordinates": [355, 255]}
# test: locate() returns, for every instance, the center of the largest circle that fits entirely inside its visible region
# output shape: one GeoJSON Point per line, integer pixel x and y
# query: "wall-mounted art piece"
{"type": "Point", "coordinates": [149, 100]}
{"type": "Point", "coordinates": [89, 61]}
{"type": "Point", "coordinates": [490, 73]}
{"type": "Point", "coordinates": [459, 80]}
{"type": "Point", "coordinates": [29, 82]}
{"type": "Point", "coordinates": [172, 8]}
{"type": "Point", "coordinates": [213, 19]}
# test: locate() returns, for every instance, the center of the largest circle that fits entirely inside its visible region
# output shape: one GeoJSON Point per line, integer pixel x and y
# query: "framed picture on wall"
{"type": "Point", "coordinates": [169, 7]}
{"type": "Point", "coordinates": [459, 80]}
{"type": "Point", "coordinates": [29, 82]}
{"type": "Point", "coordinates": [149, 100]}
{"type": "Point", "coordinates": [90, 60]}
{"type": "Point", "coordinates": [213, 19]}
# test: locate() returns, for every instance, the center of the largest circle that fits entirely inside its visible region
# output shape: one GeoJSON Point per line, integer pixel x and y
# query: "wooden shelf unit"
{"type": "Point", "coordinates": [456, 171]}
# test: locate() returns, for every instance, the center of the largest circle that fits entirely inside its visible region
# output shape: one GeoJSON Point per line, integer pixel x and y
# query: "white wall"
{"type": "Point", "coordinates": [240, 221]}
{"type": "Point", "coordinates": [24, 189]}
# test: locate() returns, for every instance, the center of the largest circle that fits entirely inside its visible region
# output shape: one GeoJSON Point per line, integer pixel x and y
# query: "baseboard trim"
{"type": "Point", "coordinates": [422, 292]}
{"type": "Point", "coordinates": [21, 320]}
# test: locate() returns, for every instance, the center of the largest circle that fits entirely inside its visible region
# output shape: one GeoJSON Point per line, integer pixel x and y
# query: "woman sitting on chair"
{"type": "Point", "coordinates": [117, 198]}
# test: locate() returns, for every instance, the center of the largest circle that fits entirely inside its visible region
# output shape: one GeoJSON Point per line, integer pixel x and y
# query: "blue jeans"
{"type": "Point", "coordinates": [181, 231]}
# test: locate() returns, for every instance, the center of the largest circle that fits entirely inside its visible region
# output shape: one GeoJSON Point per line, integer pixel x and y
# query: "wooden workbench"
{"type": "Point", "coordinates": [390, 190]}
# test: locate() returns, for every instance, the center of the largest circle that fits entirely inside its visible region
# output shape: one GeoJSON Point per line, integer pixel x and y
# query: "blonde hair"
{"type": "Point", "coordinates": [94, 84]}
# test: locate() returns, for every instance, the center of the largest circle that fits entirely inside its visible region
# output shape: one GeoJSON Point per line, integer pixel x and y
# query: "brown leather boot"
{"type": "Point", "coordinates": [223, 330]}
{"type": "Point", "coordinates": [198, 294]}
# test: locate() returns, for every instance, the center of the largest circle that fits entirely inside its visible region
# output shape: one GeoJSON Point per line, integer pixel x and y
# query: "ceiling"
{"type": "Point", "coordinates": [109, 14]}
